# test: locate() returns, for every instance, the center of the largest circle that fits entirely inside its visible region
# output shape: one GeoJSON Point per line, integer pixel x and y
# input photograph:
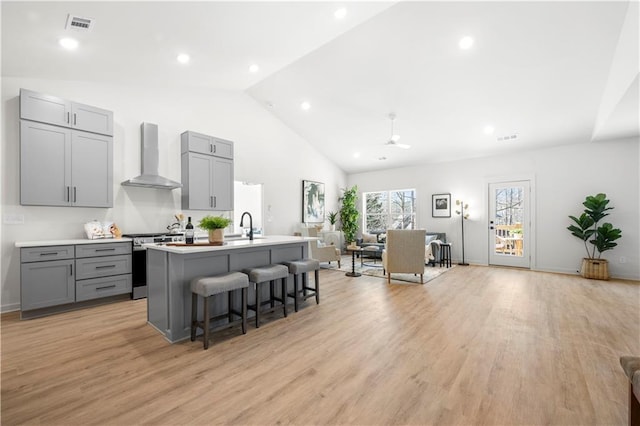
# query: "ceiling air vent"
{"type": "Point", "coordinates": [508, 137]}
{"type": "Point", "coordinates": [79, 23]}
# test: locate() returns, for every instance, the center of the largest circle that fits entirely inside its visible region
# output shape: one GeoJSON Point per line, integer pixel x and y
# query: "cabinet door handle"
{"type": "Point", "coordinates": [214, 149]}
{"type": "Point", "coordinates": [74, 118]}
{"type": "Point", "coordinates": [106, 249]}
{"type": "Point", "coordinates": [71, 270]}
{"type": "Point", "coordinates": [210, 201]}
{"type": "Point", "coordinates": [75, 193]}
{"type": "Point", "coordinates": [106, 286]}
{"type": "Point", "coordinates": [210, 147]}
{"type": "Point", "coordinates": [67, 118]}
{"type": "Point", "coordinates": [68, 196]}
{"type": "Point", "coordinates": [105, 266]}
{"type": "Point", "coordinates": [50, 253]}
{"type": "Point", "coordinates": [215, 202]}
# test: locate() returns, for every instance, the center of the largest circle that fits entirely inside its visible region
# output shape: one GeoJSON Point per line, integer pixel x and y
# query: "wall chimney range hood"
{"type": "Point", "coordinates": [149, 160]}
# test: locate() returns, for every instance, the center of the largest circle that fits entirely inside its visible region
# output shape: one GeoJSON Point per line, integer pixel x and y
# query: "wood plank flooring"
{"type": "Point", "coordinates": [477, 345]}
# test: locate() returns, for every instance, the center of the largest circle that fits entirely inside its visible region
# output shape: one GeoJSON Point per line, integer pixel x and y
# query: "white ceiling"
{"type": "Point", "coordinates": [537, 69]}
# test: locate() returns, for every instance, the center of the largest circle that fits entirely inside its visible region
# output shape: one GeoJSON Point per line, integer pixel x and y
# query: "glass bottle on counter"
{"type": "Point", "coordinates": [188, 234]}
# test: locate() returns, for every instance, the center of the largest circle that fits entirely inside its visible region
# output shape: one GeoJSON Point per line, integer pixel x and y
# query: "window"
{"type": "Point", "coordinates": [389, 210]}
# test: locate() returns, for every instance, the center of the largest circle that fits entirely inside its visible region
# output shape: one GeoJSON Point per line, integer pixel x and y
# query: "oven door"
{"type": "Point", "coordinates": [139, 273]}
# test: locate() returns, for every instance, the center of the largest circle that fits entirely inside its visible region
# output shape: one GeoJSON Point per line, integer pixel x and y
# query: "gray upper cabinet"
{"type": "Point", "coordinates": [62, 167]}
{"type": "Point", "coordinates": [207, 172]}
{"type": "Point", "coordinates": [66, 152]}
{"type": "Point", "coordinates": [61, 112]}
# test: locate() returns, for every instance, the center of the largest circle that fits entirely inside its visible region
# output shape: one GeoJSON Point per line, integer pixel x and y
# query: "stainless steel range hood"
{"type": "Point", "coordinates": [149, 159]}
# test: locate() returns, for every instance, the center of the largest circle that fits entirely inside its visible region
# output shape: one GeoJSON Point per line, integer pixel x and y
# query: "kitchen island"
{"type": "Point", "coordinates": [170, 270]}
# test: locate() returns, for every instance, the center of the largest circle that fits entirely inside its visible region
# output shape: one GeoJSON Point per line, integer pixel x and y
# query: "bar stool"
{"type": "Point", "coordinates": [210, 286]}
{"type": "Point", "coordinates": [270, 274]}
{"type": "Point", "coordinates": [304, 266]}
{"type": "Point", "coordinates": [445, 254]}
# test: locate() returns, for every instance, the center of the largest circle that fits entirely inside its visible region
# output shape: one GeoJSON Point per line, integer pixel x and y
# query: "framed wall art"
{"type": "Point", "coordinates": [441, 205]}
{"type": "Point", "coordinates": [312, 202]}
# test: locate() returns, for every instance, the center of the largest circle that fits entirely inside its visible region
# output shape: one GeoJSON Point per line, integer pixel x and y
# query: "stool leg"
{"type": "Point", "coordinates": [284, 296]}
{"type": "Point", "coordinates": [295, 292]}
{"type": "Point", "coordinates": [194, 315]}
{"type": "Point", "coordinates": [317, 278]}
{"type": "Point", "coordinates": [305, 284]}
{"type": "Point", "coordinates": [230, 305]}
{"type": "Point", "coordinates": [244, 310]}
{"type": "Point", "coordinates": [271, 289]}
{"type": "Point", "coordinates": [257, 305]}
{"type": "Point", "coordinates": [206, 322]}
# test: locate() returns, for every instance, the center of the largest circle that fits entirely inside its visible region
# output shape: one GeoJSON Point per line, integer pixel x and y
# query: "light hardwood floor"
{"type": "Point", "coordinates": [477, 345]}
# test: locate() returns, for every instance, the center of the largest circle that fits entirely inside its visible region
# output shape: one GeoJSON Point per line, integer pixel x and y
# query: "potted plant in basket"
{"type": "Point", "coordinates": [332, 217]}
{"type": "Point", "coordinates": [349, 214]}
{"type": "Point", "coordinates": [215, 225]}
{"type": "Point", "coordinates": [602, 237]}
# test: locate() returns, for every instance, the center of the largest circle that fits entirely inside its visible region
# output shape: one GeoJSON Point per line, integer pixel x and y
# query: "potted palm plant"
{"type": "Point", "coordinates": [602, 237]}
{"type": "Point", "coordinates": [349, 214]}
{"type": "Point", "coordinates": [215, 225]}
{"type": "Point", "coordinates": [332, 217]}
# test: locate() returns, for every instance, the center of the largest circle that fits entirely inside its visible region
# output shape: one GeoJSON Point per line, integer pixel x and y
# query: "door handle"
{"type": "Point", "coordinates": [491, 227]}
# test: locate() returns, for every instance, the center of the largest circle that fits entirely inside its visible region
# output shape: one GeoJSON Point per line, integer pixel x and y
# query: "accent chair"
{"type": "Point", "coordinates": [405, 252]}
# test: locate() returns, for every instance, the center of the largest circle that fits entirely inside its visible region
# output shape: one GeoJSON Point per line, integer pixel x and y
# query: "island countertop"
{"type": "Point", "coordinates": [230, 244]}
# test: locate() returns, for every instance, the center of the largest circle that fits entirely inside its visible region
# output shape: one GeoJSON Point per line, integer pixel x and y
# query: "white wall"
{"type": "Point", "coordinates": [266, 151]}
{"type": "Point", "coordinates": [563, 177]}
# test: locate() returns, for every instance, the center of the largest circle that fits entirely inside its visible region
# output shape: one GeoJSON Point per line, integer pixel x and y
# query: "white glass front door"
{"type": "Point", "coordinates": [509, 224]}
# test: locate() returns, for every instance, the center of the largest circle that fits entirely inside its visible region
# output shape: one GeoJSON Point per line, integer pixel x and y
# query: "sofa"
{"type": "Point", "coordinates": [378, 239]}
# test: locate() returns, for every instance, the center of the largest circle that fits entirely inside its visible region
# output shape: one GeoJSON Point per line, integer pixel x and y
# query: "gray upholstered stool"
{"type": "Point", "coordinates": [303, 267]}
{"type": "Point", "coordinates": [261, 275]}
{"type": "Point", "coordinates": [210, 286]}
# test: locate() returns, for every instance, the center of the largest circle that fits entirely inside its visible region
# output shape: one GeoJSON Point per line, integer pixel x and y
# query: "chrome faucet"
{"type": "Point", "coordinates": [250, 224]}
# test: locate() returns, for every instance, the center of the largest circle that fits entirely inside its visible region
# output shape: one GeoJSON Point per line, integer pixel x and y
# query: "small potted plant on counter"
{"type": "Point", "coordinates": [215, 225]}
{"type": "Point", "coordinates": [602, 237]}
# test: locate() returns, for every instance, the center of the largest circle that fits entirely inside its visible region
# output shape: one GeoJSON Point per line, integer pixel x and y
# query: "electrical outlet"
{"type": "Point", "coordinates": [13, 219]}
{"type": "Point", "coordinates": [623, 259]}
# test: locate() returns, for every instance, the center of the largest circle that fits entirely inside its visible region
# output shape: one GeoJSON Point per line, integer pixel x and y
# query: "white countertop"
{"type": "Point", "coordinates": [231, 244]}
{"type": "Point", "coordinates": [70, 242]}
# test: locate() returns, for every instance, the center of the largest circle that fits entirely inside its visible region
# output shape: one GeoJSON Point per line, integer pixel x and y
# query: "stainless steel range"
{"type": "Point", "coordinates": [139, 267]}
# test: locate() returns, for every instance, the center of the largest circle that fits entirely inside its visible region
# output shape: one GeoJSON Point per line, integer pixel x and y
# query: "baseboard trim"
{"type": "Point", "coordinates": [11, 307]}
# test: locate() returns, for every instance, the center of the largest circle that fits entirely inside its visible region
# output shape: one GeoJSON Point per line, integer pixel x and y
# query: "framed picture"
{"type": "Point", "coordinates": [312, 202]}
{"type": "Point", "coordinates": [441, 205]}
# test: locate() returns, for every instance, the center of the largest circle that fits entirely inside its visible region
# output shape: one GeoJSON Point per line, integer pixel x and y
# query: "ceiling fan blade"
{"type": "Point", "coordinates": [403, 145]}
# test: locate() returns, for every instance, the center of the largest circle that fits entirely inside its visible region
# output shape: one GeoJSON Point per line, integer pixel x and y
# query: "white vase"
{"type": "Point", "coordinates": [332, 227]}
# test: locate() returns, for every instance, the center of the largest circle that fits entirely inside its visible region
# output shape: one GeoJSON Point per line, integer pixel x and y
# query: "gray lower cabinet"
{"type": "Point", "coordinates": [62, 275]}
{"type": "Point", "coordinates": [207, 173]}
{"type": "Point", "coordinates": [63, 167]}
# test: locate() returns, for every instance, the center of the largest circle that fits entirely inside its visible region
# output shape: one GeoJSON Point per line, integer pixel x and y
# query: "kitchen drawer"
{"type": "Point", "coordinates": [102, 249]}
{"type": "Point", "coordinates": [102, 287]}
{"type": "Point", "coordinates": [40, 254]}
{"type": "Point", "coordinates": [94, 267]}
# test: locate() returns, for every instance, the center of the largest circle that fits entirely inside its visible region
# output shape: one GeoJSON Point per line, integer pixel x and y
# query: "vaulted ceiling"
{"type": "Point", "coordinates": [539, 73]}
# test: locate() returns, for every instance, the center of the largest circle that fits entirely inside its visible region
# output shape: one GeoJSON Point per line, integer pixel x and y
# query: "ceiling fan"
{"type": "Point", "coordinates": [393, 141]}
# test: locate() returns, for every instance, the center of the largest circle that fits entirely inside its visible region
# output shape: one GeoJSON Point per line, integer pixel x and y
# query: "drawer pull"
{"type": "Point", "coordinates": [105, 266]}
{"type": "Point", "coordinates": [50, 253]}
{"type": "Point", "coordinates": [106, 286]}
{"type": "Point", "coordinates": [105, 249]}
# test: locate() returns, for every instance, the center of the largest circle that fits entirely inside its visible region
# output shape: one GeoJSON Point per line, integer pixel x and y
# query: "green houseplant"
{"type": "Point", "coordinates": [215, 225]}
{"type": "Point", "coordinates": [349, 214]}
{"type": "Point", "coordinates": [332, 217]}
{"type": "Point", "coordinates": [586, 228]}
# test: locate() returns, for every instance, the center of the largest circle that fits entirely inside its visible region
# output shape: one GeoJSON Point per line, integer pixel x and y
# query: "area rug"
{"type": "Point", "coordinates": [375, 269]}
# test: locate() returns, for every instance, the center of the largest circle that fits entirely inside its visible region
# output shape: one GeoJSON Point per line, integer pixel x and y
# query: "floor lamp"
{"type": "Point", "coordinates": [465, 216]}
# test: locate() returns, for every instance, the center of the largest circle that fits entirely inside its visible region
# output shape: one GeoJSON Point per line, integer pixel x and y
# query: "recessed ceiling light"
{"type": "Point", "coordinates": [340, 13]}
{"type": "Point", "coordinates": [254, 68]}
{"type": "Point", "coordinates": [465, 43]}
{"type": "Point", "coordinates": [183, 58]}
{"type": "Point", "coordinates": [356, 155]}
{"type": "Point", "coordinates": [488, 130]}
{"type": "Point", "coordinates": [69, 43]}
{"type": "Point", "coordinates": [305, 106]}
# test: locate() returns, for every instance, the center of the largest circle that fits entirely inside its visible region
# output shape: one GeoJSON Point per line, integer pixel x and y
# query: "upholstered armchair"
{"type": "Point", "coordinates": [405, 252]}
{"type": "Point", "coordinates": [320, 252]}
